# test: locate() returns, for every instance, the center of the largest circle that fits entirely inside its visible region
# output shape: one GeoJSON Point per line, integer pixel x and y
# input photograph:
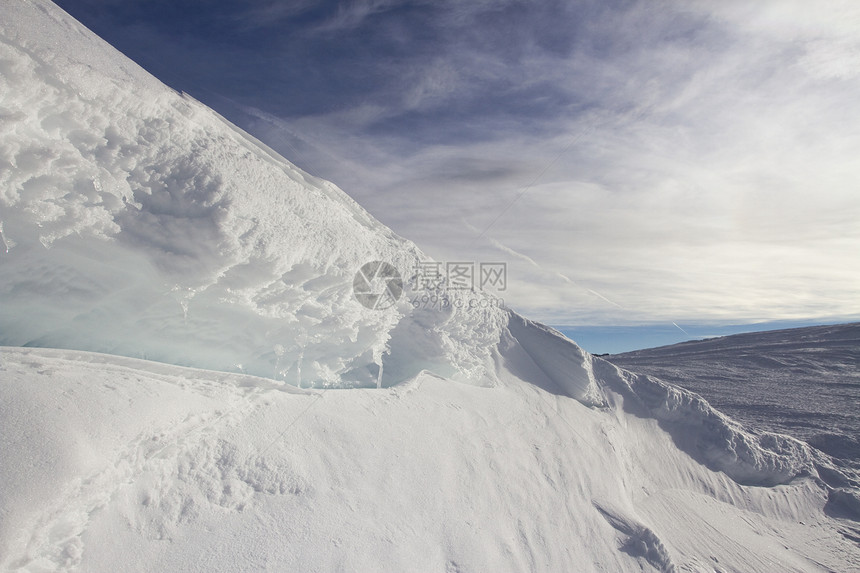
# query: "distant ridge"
{"type": "Point", "coordinates": [800, 381]}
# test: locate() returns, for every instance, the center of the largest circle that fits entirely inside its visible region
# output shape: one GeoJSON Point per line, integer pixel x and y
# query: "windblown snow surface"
{"type": "Point", "coordinates": [189, 384]}
{"type": "Point", "coordinates": [800, 381]}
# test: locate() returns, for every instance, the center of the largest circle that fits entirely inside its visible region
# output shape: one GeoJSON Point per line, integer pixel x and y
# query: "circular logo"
{"type": "Point", "coordinates": [377, 285]}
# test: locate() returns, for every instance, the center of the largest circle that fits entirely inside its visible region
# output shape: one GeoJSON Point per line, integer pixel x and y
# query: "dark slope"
{"type": "Point", "coordinates": [802, 381]}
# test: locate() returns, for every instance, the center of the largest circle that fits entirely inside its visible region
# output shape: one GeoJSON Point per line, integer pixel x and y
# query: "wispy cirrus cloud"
{"type": "Point", "coordinates": [633, 162]}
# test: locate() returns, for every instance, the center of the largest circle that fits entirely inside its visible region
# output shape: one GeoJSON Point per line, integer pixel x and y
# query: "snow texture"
{"type": "Point", "coordinates": [117, 464]}
{"type": "Point", "coordinates": [804, 382]}
{"type": "Point", "coordinates": [136, 223]}
{"type": "Point", "coordinates": [169, 234]}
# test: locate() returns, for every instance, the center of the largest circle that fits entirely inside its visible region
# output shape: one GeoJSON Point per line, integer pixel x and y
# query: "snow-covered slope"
{"type": "Point", "coordinates": [114, 464]}
{"type": "Point", "coordinates": [800, 381]}
{"type": "Point", "coordinates": [141, 225]}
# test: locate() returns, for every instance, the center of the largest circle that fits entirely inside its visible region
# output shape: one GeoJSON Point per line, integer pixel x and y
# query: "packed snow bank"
{"type": "Point", "coordinates": [136, 221]}
{"type": "Point", "coordinates": [710, 436]}
{"type": "Point", "coordinates": [556, 364]}
{"type": "Point", "coordinates": [114, 464]}
{"type": "Point", "coordinates": [567, 368]}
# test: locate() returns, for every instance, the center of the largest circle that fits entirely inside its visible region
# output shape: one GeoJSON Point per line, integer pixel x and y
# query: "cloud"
{"type": "Point", "coordinates": [270, 13]}
{"type": "Point", "coordinates": [687, 162]}
{"type": "Point", "coordinates": [351, 15]}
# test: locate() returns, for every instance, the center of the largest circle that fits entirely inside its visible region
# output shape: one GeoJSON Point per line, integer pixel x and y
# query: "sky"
{"type": "Point", "coordinates": [634, 163]}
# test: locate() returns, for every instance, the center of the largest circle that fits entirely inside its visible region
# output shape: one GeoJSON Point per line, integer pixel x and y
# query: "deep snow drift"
{"type": "Point", "coordinates": [114, 464]}
{"type": "Point", "coordinates": [138, 223]}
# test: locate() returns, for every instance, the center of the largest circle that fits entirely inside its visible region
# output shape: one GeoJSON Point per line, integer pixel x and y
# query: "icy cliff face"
{"type": "Point", "coordinates": [136, 221]}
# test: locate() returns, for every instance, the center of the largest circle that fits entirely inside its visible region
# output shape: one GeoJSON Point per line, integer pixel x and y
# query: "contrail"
{"type": "Point", "coordinates": [594, 292]}
{"type": "Point", "coordinates": [514, 253]}
{"type": "Point", "coordinates": [531, 261]}
{"type": "Point", "coordinates": [681, 329]}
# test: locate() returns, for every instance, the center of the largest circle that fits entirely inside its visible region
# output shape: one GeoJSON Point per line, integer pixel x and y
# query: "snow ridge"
{"type": "Point", "coordinates": [718, 441]}
{"type": "Point", "coordinates": [172, 235]}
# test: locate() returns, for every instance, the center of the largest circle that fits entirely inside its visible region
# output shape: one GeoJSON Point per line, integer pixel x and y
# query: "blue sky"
{"type": "Point", "coordinates": [636, 164]}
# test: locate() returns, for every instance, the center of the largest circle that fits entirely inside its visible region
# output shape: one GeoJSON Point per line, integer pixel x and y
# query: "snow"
{"type": "Point", "coordinates": [188, 382]}
{"type": "Point", "coordinates": [170, 234]}
{"type": "Point", "coordinates": [141, 466]}
{"type": "Point", "coordinates": [804, 382]}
